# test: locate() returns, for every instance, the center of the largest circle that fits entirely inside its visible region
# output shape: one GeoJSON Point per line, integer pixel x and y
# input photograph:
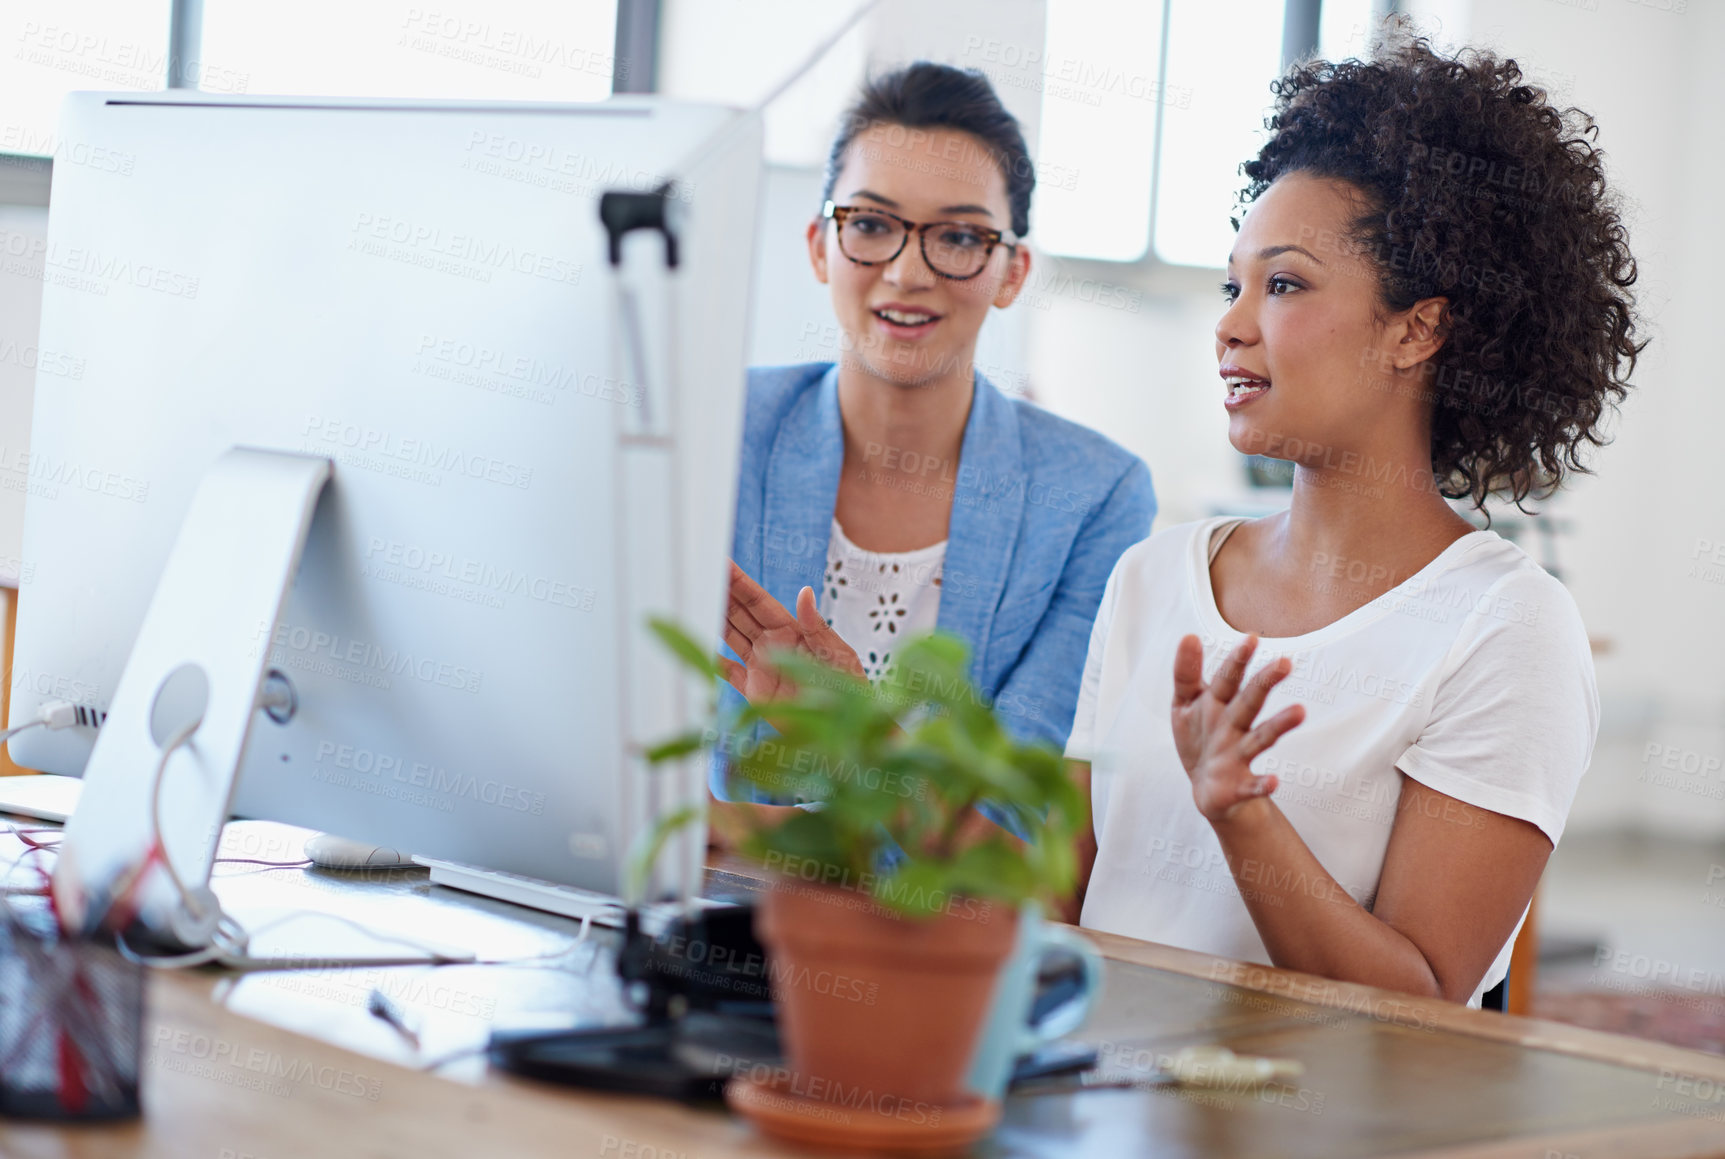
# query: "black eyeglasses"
{"type": "Point", "coordinates": [953, 249]}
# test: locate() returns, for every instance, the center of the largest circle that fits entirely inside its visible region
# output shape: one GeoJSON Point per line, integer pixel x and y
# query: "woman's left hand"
{"type": "Point", "coordinates": [756, 625]}
{"type": "Point", "coordinates": [1213, 729]}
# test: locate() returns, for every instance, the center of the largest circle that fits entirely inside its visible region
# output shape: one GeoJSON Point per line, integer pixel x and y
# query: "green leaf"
{"type": "Point", "coordinates": [819, 682]}
{"type": "Point", "coordinates": [992, 868]}
{"type": "Point", "coordinates": [679, 746]}
{"type": "Point", "coordinates": [684, 647]}
{"type": "Point", "coordinates": [808, 847]}
{"type": "Point", "coordinates": [918, 888]}
{"type": "Point", "coordinates": [900, 761]}
{"type": "Point", "coordinates": [646, 852]}
{"type": "Point", "coordinates": [1059, 862]}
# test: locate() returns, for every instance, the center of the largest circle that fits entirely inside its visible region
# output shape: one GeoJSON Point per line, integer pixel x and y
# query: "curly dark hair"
{"type": "Point", "coordinates": [1476, 189]}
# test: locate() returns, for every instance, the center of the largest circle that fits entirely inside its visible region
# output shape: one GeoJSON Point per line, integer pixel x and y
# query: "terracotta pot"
{"type": "Point", "coordinates": [871, 1004]}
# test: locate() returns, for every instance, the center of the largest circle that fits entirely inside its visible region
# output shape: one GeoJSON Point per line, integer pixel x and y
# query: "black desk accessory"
{"type": "Point", "coordinates": [702, 993]}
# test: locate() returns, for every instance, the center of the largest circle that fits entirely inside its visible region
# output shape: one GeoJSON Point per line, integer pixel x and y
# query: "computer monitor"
{"type": "Point", "coordinates": [418, 292]}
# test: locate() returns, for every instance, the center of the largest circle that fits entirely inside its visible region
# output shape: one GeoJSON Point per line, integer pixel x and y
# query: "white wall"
{"type": "Point", "coordinates": [1645, 71]}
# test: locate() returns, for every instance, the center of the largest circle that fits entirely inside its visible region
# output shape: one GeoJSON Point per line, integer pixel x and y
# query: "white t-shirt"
{"type": "Point", "coordinates": [1473, 677]}
{"type": "Point", "coordinates": [874, 599]}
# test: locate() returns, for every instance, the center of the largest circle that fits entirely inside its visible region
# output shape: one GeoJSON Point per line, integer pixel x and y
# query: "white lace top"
{"type": "Point", "coordinates": [874, 599]}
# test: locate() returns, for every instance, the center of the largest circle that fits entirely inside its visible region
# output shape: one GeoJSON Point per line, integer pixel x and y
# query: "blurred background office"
{"type": "Point", "coordinates": [1138, 115]}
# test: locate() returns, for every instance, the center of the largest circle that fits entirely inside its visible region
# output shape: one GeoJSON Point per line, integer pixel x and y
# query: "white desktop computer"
{"type": "Point", "coordinates": [526, 456]}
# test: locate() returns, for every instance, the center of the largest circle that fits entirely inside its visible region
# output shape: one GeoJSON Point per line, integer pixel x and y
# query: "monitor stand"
{"type": "Point", "coordinates": [196, 673]}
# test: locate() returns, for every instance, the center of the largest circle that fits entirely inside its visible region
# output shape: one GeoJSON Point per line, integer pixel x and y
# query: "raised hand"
{"type": "Point", "coordinates": [757, 625]}
{"type": "Point", "coordinates": [1213, 725]}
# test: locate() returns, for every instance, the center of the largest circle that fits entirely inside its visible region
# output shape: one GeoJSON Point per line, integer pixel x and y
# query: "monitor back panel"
{"type": "Point", "coordinates": [420, 293]}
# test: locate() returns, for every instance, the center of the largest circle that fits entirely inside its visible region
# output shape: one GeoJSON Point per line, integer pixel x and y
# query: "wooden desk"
{"type": "Point", "coordinates": [285, 1066]}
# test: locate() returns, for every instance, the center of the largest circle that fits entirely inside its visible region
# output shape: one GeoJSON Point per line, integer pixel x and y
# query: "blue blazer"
{"type": "Point", "coordinates": [1041, 510]}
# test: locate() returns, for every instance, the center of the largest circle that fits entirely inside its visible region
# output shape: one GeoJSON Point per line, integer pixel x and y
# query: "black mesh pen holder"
{"type": "Point", "coordinates": [71, 1023]}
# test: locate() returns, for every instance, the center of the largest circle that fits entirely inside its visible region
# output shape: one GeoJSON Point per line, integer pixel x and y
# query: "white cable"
{"type": "Point", "coordinates": [201, 957]}
{"type": "Point", "coordinates": [225, 927]}
{"type": "Point", "coordinates": [54, 716]}
{"type": "Point", "coordinates": [174, 742]}
{"type": "Point", "coordinates": [58, 714]}
{"type": "Point", "coordinates": [300, 864]}
{"type": "Point", "coordinates": [239, 959]}
{"type": "Point", "coordinates": [14, 731]}
{"type": "Point", "coordinates": [230, 941]}
{"type": "Point", "coordinates": [228, 937]}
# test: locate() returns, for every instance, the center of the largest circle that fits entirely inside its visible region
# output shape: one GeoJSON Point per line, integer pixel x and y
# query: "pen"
{"type": "Point", "coordinates": [380, 1006]}
{"type": "Point", "coordinates": [1093, 1080]}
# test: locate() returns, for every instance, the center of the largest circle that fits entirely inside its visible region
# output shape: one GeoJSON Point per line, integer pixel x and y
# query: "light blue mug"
{"type": "Point", "coordinates": [1008, 1034]}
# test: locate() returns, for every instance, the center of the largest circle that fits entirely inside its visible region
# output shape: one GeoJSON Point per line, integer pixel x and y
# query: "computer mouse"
{"type": "Point", "coordinates": [327, 851]}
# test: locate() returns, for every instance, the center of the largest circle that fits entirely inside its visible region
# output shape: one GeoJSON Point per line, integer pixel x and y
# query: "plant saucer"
{"type": "Point", "coordinates": [775, 1109]}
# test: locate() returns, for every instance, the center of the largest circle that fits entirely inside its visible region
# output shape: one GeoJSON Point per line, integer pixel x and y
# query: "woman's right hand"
{"type": "Point", "coordinates": [1213, 725]}
{"type": "Point", "coordinates": [757, 625]}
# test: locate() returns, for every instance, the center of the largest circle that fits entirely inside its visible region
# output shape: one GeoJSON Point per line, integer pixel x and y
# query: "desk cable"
{"type": "Point", "coordinates": [54, 716]}
{"type": "Point", "coordinates": [27, 838]}
{"type": "Point", "coordinates": [229, 941]}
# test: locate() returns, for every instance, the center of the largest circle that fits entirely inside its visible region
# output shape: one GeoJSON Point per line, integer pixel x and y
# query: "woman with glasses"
{"type": "Point", "coordinates": [897, 490]}
{"type": "Point", "coordinates": [1380, 715]}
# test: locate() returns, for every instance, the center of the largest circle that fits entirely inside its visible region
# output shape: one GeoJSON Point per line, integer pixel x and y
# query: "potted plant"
{"type": "Point", "coordinates": [893, 907]}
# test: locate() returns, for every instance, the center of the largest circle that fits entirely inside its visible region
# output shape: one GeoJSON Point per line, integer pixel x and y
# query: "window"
{"type": "Point", "coordinates": [1100, 89]}
{"type": "Point", "coordinates": [737, 51]}
{"type": "Point", "coordinates": [1221, 60]}
{"type": "Point", "coordinates": [54, 47]}
{"type": "Point", "coordinates": [550, 50]}
{"type": "Point", "coordinates": [553, 50]}
{"type": "Point", "coordinates": [1161, 172]}
{"type": "Point", "coordinates": [1345, 27]}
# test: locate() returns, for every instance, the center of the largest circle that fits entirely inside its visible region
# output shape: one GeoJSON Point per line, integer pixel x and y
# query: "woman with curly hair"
{"type": "Point", "coordinates": [1380, 714]}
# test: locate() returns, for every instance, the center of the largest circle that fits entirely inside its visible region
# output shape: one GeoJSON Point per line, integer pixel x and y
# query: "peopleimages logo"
{"type": "Point", "coordinates": [869, 890]}
{"type": "Point", "coordinates": [584, 170]}
{"type": "Point", "coordinates": [432, 778]}
{"type": "Point", "coordinates": [466, 247]}
{"type": "Point", "coordinates": [60, 687]}
{"type": "Point", "coordinates": [112, 269]}
{"type": "Point", "coordinates": [397, 557]}
{"type": "Point", "coordinates": [1070, 77]}
{"type": "Point", "coordinates": [16, 139]}
{"type": "Point", "coordinates": [30, 357]}
{"type": "Point", "coordinates": [828, 1098]}
{"type": "Point", "coordinates": [1650, 973]}
{"type": "Point", "coordinates": [532, 50]}
{"type": "Point", "coordinates": [120, 63]}
{"type": "Point", "coordinates": [382, 450]}
{"type": "Point", "coordinates": [40, 473]}
{"type": "Point", "coordinates": [1045, 284]}
{"type": "Point", "coordinates": [225, 1061]}
{"type": "Point", "coordinates": [526, 369]}
{"type": "Point", "coordinates": [290, 642]}
{"type": "Point", "coordinates": [1686, 770]}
